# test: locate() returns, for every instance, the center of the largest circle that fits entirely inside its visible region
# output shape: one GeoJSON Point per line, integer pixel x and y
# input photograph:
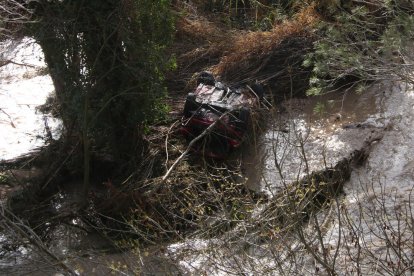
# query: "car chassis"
{"type": "Point", "coordinates": [230, 109]}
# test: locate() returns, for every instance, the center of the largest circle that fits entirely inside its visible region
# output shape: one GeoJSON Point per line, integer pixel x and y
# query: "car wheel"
{"type": "Point", "coordinates": [190, 105]}
{"type": "Point", "coordinates": [206, 78]}
{"type": "Point", "coordinates": [258, 89]}
{"type": "Point", "coordinates": [243, 119]}
{"type": "Point", "coordinates": [218, 147]}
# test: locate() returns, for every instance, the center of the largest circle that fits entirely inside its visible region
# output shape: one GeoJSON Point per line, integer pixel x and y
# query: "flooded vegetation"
{"type": "Point", "coordinates": [96, 179]}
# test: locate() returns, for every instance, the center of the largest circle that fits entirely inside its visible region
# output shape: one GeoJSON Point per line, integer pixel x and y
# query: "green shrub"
{"type": "Point", "coordinates": [107, 61]}
{"type": "Point", "coordinates": [359, 47]}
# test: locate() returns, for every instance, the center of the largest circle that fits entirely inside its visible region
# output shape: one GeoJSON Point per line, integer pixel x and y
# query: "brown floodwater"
{"type": "Point", "coordinates": [326, 128]}
{"type": "Point", "coordinates": [311, 134]}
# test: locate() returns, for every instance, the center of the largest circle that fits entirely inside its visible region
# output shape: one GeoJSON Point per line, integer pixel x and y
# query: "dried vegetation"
{"type": "Point", "coordinates": [272, 57]}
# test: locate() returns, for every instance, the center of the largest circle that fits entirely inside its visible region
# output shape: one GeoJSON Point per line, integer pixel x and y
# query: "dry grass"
{"type": "Point", "coordinates": [249, 45]}
{"type": "Point", "coordinates": [239, 56]}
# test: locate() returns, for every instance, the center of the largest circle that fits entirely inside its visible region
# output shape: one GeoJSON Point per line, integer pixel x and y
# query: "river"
{"type": "Point", "coordinates": [304, 135]}
{"type": "Point", "coordinates": [24, 86]}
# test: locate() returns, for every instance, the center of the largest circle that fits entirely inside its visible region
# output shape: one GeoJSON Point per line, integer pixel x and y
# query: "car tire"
{"type": "Point", "coordinates": [206, 78]}
{"type": "Point", "coordinates": [243, 119]}
{"type": "Point", "coordinates": [218, 147]}
{"type": "Point", "coordinates": [190, 105]}
{"type": "Point", "coordinates": [258, 89]}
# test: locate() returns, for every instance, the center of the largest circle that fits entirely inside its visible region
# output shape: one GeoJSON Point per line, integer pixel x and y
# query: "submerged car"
{"type": "Point", "coordinates": [229, 108]}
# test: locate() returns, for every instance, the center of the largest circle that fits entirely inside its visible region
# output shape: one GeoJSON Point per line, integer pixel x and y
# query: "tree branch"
{"type": "Point", "coordinates": [204, 133]}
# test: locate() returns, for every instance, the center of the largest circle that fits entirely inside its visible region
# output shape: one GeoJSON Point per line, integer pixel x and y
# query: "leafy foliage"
{"type": "Point", "coordinates": [362, 45]}
{"type": "Point", "coordinates": [107, 61]}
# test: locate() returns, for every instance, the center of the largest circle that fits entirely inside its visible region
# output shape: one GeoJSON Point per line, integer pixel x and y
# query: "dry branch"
{"type": "Point", "coordinates": [191, 144]}
{"type": "Point", "coordinates": [26, 232]}
{"type": "Point", "coordinates": [8, 61]}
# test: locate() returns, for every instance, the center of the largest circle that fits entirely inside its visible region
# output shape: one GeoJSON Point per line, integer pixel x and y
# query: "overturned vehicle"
{"type": "Point", "coordinates": [224, 116]}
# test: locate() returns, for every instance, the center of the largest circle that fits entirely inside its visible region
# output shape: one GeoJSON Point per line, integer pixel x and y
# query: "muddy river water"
{"type": "Point", "coordinates": [312, 134]}
{"type": "Point", "coordinates": [377, 199]}
{"type": "Point", "coordinates": [24, 86]}
{"type": "Point", "coordinates": [303, 135]}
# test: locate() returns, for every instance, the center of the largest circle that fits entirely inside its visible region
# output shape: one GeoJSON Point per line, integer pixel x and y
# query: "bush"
{"type": "Point", "coordinates": [362, 45]}
{"type": "Point", "coordinates": [107, 62]}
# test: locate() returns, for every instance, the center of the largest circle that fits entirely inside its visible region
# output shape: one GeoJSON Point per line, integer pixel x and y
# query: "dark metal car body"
{"type": "Point", "coordinates": [212, 101]}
